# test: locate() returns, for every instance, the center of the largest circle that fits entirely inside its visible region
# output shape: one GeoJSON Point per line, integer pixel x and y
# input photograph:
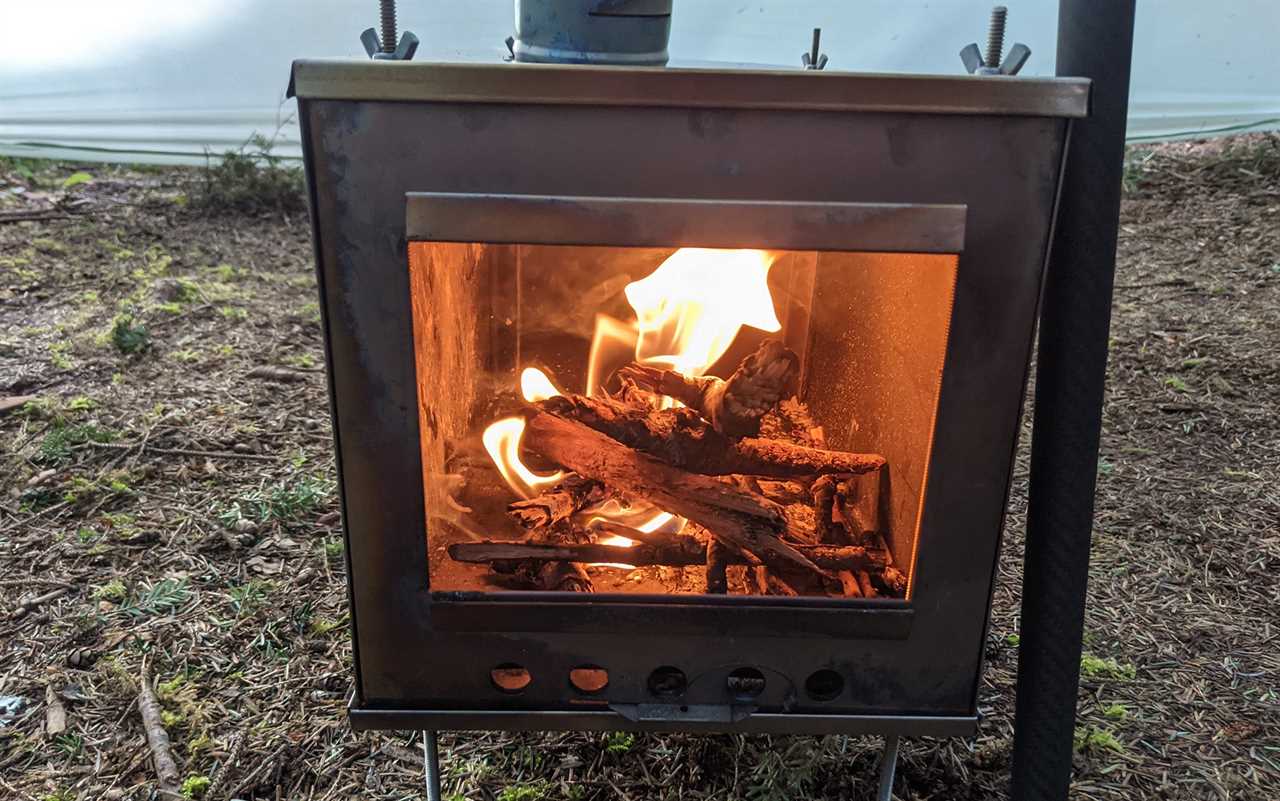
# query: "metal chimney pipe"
{"type": "Point", "coordinates": [630, 32]}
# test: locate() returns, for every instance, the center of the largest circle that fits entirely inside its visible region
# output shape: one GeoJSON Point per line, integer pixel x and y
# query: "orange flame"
{"type": "Point", "coordinates": [688, 312]}
{"type": "Point", "coordinates": [502, 441]}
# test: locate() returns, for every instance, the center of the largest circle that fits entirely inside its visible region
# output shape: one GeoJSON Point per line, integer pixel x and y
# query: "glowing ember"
{"type": "Point", "coordinates": [688, 312]}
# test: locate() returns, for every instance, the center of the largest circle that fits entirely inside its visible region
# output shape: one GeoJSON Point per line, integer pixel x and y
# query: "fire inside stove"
{"type": "Point", "coordinates": [676, 421]}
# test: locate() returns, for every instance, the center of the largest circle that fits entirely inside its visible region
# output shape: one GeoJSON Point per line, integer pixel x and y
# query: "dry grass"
{"type": "Point", "coordinates": [224, 570]}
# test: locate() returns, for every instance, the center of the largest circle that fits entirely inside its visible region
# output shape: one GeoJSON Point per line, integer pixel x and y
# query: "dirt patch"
{"type": "Point", "coordinates": [166, 497]}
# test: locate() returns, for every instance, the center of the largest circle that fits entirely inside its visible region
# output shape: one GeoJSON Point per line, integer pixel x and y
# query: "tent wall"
{"type": "Point", "coordinates": [155, 80]}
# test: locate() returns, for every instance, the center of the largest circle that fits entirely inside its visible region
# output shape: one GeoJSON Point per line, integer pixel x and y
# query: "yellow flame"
{"type": "Point", "coordinates": [691, 308]}
{"type": "Point", "coordinates": [535, 386]}
{"type": "Point", "coordinates": [502, 441]}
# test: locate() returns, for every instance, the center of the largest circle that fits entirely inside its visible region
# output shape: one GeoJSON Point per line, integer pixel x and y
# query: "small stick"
{"type": "Point", "coordinates": [864, 583]}
{"type": "Point", "coordinates": [824, 496]}
{"type": "Point", "coordinates": [768, 582]}
{"type": "Point", "coordinates": [682, 552]}
{"type": "Point", "coordinates": [32, 604]}
{"type": "Point", "coordinates": [849, 583]}
{"type": "Point", "coordinates": [717, 568]}
{"type": "Point", "coordinates": [157, 737]}
{"type": "Point", "coordinates": [125, 446]}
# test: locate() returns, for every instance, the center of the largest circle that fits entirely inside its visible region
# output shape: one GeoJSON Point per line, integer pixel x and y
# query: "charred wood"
{"type": "Point", "coordinates": [717, 568]}
{"type": "Point", "coordinates": [734, 406]}
{"type": "Point", "coordinates": [681, 551]}
{"type": "Point", "coordinates": [680, 438]}
{"type": "Point", "coordinates": [573, 494]}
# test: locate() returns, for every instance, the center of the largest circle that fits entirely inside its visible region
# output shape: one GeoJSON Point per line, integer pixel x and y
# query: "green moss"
{"type": "Point", "coordinates": [1089, 739]}
{"type": "Point", "coordinates": [1115, 712]}
{"type": "Point", "coordinates": [1093, 667]}
{"type": "Point", "coordinates": [619, 742]}
{"type": "Point", "coordinates": [195, 786]}
{"type": "Point", "coordinates": [46, 245]}
{"type": "Point", "coordinates": [532, 791]}
{"type": "Point", "coordinates": [1176, 384]}
{"type": "Point", "coordinates": [61, 439]}
{"type": "Point", "coordinates": [113, 591]}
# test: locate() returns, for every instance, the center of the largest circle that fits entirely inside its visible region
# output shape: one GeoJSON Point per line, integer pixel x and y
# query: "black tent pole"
{"type": "Point", "coordinates": [1095, 40]}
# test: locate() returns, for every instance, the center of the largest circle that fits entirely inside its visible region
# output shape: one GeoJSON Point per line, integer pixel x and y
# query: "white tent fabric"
{"type": "Point", "coordinates": [169, 80]}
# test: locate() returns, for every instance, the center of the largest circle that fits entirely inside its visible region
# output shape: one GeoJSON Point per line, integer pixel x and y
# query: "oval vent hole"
{"type": "Point", "coordinates": [745, 683]}
{"type": "Point", "coordinates": [823, 685]}
{"type": "Point", "coordinates": [510, 677]}
{"type": "Point", "coordinates": [589, 679]}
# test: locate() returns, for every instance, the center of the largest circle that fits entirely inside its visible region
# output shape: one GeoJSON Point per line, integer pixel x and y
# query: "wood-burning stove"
{"type": "Point", "coordinates": [508, 258]}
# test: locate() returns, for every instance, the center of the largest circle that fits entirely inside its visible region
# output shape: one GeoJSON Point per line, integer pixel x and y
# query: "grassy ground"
{"type": "Point", "coordinates": [169, 496]}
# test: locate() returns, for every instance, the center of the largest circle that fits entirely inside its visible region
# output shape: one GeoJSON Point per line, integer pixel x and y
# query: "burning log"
{"type": "Point", "coordinates": [573, 494]}
{"type": "Point", "coordinates": [682, 439]}
{"type": "Point", "coordinates": [742, 520]}
{"type": "Point", "coordinates": [679, 551]}
{"type": "Point", "coordinates": [734, 406]}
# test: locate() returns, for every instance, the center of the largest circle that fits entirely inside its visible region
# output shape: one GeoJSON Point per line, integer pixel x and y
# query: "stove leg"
{"type": "Point", "coordinates": [888, 767]}
{"type": "Point", "coordinates": [431, 765]}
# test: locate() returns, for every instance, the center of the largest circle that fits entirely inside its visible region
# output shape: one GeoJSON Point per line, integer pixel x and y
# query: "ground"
{"type": "Point", "coordinates": [169, 500]}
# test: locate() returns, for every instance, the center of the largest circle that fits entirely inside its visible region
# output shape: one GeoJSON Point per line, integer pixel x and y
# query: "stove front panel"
{"type": "Point", "coordinates": [442, 659]}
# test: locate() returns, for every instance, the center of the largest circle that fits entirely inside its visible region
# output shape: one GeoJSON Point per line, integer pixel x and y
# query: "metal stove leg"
{"type": "Point", "coordinates": [431, 765]}
{"type": "Point", "coordinates": [888, 767]}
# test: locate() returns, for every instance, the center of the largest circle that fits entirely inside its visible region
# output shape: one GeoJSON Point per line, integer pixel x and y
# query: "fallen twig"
{"type": "Point", "coordinates": [157, 737]}
{"type": "Point", "coordinates": [34, 603]}
{"type": "Point", "coordinates": [125, 446]}
{"type": "Point", "coordinates": [55, 714]}
{"type": "Point", "coordinates": [12, 402]}
{"type": "Point", "coordinates": [280, 374]}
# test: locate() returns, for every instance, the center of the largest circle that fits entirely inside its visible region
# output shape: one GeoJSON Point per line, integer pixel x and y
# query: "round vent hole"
{"type": "Point", "coordinates": [667, 682]}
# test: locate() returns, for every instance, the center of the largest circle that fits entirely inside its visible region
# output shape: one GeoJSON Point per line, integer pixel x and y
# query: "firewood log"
{"type": "Point", "coordinates": [681, 438]}
{"type": "Point", "coordinates": [739, 519]}
{"type": "Point", "coordinates": [734, 406]}
{"type": "Point", "coordinates": [681, 551]}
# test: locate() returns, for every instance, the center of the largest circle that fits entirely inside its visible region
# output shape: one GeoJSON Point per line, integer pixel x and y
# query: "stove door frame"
{"type": "Point", "coordinates": [666, 222]}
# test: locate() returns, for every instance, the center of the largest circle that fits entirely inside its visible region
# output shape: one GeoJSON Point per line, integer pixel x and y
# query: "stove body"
{"type": "Point", "coordinates": [941, 194]}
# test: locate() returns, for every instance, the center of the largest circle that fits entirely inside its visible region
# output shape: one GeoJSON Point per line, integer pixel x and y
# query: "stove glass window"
{"type": "Point", "coordinates": [665, 421]}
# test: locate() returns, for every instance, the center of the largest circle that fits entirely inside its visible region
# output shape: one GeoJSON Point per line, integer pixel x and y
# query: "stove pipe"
{"type": "Point", "coordinates": [631, 32]}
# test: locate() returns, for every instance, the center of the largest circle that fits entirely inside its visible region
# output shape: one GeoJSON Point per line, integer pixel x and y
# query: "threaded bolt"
{"type": "Point", "coordinates": [388, 8]}
{"type": "Point", "coordinates": [995, 36]}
